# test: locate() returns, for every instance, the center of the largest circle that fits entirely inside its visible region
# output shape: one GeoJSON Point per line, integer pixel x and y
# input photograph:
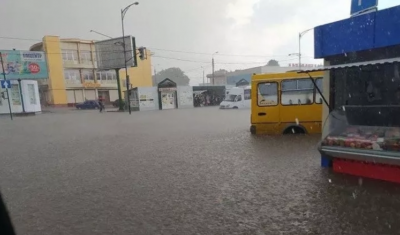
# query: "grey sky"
{"type": "Point", "coordinates": [265, 28]}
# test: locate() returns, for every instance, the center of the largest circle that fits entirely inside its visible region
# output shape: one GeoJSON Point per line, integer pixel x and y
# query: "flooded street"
{"type": "Point", "coordinates": [196, 171]}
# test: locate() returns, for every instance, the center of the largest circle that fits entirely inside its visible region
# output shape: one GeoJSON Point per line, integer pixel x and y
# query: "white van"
{"type": "Point", "coordinates": [237, 98]}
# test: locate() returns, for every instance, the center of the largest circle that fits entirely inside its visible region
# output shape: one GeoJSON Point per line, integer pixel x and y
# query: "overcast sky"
{"type": "Point", "coordinates": [246, 33]}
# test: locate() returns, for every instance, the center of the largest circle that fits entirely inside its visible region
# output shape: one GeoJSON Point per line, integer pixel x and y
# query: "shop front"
{"type": "Point", "coordinates": [167, 94]}
{"type": "Point", "coordinates": [208, 95]}
{"type": "Point", "coordinates": [361, 120]}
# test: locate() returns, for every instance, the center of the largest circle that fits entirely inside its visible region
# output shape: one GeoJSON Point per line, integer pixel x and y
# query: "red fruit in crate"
{"type": "Point", "coordinates": [347, 142]}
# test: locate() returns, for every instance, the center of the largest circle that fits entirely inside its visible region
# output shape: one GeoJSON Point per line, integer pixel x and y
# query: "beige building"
{"type": "Point", "coordinates": [73, 74]}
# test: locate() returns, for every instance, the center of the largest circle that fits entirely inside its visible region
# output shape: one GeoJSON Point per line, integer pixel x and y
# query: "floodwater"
{"type": "Point", "coordinates": [196, 171]}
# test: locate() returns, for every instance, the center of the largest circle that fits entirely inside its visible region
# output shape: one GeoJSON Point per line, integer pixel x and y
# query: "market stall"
{"type": "Point", "coordinates": [361, 118]}
{"type": "Point", "coordinates": [208, 95]}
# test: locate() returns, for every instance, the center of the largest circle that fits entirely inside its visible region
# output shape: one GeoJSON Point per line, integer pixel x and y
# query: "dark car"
{"type": "Point", "coordinates": [88, 104]}
{"type": "Point", "coordinates": [116, 103]}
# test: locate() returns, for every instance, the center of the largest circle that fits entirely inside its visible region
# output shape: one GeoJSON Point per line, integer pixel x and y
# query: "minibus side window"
{"type": "Point", "coordinates": [267, 94]}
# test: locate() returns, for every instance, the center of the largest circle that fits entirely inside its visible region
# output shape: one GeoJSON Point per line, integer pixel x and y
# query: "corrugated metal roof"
{"type": "Point", "coordinates": [351, 65]}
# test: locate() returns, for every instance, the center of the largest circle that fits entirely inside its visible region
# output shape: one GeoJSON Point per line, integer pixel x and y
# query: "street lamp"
{"type": "Point", "coordinates": [123, 12]}
{"type": "Point", "coordinates": [213, 67]}
{"type": "Point", "coordinates": [301, 34]}
{"type": "Point", "coordinates": [104, 35]}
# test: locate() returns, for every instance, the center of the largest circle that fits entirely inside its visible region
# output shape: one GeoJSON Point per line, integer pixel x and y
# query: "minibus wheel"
{"type": "Point", "coordinates": [291, 130]}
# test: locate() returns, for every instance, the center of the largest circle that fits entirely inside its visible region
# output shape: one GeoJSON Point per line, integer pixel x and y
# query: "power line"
{"type": "Point", "coordinates": [219, 54]}
{"type": "Point", "coordinates": [207, 62]}
{"type": "Point", "coordinates": [153, 48]}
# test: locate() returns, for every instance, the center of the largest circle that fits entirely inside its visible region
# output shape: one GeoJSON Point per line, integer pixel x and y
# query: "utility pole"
{"type": "Point", "coordinates": [155, 76]}
{"type": "Point", "coordinates": [299, 54]}
{"type": "Point", "coordinates": [22, 96]}
{"type": "Point", "coordinates": [123, 12]}
{"type": "Point", "coordinates": [203, 76]}
{"type": "Point", "coordinates": [299, 51]}
{"type": "Point", "coordinates": [213, 72]}
{"type": "Point", "coordinates": [213, 67]}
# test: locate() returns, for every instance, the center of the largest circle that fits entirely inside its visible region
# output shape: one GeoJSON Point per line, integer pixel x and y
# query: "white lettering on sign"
{"type": "Point", "coordinates": [32, 55]}
{"type": "Point", "coordinates": [305, 65]}
{"type": "Point", "coordinates": [359, 2]}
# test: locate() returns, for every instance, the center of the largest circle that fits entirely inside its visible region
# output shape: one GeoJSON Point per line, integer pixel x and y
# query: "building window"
{"type": "Point", "coordinates": [88, 75]}
{"type": "Point", "coordinates": [70, 56]}
{"type": "Point", "coordinates": [32, 94]}
{"type": "Point", "coordinates": [72, 76]}
{"type": "Point", "coordinates": [297, 92]}
{"type": "Point", "coordinates": [267, 94]}
{"type": "Point", "coordinates": [86, 57]}
{"type": "Point", "coordinates": [106, 76]}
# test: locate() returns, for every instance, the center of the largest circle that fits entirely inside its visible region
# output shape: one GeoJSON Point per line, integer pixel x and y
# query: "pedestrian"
{"type": "Point", "coordinates": [101, 105]}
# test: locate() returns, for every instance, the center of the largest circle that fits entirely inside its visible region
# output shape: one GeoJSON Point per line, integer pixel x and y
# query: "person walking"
{"type": "Point", "coordinates": [101, 105]}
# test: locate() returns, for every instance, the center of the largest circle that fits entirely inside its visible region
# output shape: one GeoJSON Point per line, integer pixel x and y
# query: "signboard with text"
{"type": "Point", "coordinates": [305, 65]}
{"type": "Point", "coordinates": [110, 53]}
{"type": "Point", "coordinates": [25, 65]}
{"type": "Point", "coordinates": [360, 6]}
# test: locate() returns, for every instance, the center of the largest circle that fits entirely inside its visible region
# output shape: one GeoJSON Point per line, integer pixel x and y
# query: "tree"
{"type": "Point", "coordinates": [273, 63]}
{"type": "Point", "coordinates": [174, 74]}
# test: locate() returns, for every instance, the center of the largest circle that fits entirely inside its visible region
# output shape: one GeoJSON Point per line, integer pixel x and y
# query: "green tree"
{"type": "Point", "coordinates": [174, 74]}
{"type": "Point", "coordinates": [273, 63]}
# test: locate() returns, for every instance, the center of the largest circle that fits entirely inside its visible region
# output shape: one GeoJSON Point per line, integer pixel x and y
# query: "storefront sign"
{"type": "Point", "coordinates": [27, 65]}
{"type": "Point", "coordinates": [361, 6]}
{"type": "Point", "coordinates": [91, 85]}
{"type": "Point", "coordinates": [167, 89]}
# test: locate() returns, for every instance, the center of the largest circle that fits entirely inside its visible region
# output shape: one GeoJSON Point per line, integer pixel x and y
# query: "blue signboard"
{"type": "Point", "coordinates": [358, 6]}
{"type": "Point", "coordinates": [28, 65]}
{"type": "Point", "coordinates": [5, 84]}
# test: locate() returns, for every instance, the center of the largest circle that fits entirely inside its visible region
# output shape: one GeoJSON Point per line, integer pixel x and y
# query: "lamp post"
{"type": "Point", "coordinates": [301, 34]}
{"type": "Point", "coordinates": [123, 12]}
{"type": "Point", "coordinates": [213, 67]}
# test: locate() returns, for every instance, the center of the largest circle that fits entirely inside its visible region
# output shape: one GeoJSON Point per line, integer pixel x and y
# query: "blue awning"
{"type": "Point", "coordinates": [352, 65]}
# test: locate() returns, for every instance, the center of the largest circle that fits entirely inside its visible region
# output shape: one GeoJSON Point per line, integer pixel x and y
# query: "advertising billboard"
{"type": "Point", "coordinates": [28, 65]}
{"type": "Point", "coordinates": [110, 53]}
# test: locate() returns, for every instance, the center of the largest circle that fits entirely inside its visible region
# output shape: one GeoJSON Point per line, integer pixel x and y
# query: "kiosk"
{"type": "Point", "coordinates": [167, 94]}
{"type": "Point", "coordinates": [361, 90]}
{"type": "Point", "coordinates": [143, 98]}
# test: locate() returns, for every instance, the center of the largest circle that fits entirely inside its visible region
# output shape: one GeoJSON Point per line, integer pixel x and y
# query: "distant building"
{"type": "Point", "coordinates": [233, 78]}
{"type": "Point", "coordinates": [73, 74]}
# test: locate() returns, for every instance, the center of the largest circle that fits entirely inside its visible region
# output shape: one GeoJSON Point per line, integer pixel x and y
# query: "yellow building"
{"type": "Point", "coordinates": [73, 74]}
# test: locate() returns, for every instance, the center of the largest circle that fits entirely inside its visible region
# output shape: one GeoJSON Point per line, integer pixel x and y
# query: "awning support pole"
{"type": "Point", "coordinates": [319, 91]}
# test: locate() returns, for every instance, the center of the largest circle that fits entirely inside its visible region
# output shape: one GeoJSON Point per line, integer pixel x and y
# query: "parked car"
{"type": "Point", "coordinates": [116, 103]}
{"type": "Point", "coordinates": [88, 104]}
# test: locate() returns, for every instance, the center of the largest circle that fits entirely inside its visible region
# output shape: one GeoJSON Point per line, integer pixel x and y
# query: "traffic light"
{"type": "Point", "coordinates": [142, 53]}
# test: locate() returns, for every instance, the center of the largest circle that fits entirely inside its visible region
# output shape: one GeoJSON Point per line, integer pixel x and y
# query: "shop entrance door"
{"type": "Point", "coordinates": [168, 100]}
